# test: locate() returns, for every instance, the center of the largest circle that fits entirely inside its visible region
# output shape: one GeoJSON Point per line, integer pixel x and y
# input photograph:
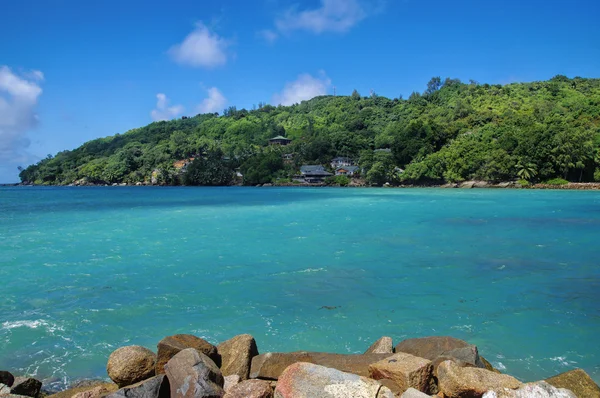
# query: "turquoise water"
{"type": "Point", "coordinates": [86, 270]}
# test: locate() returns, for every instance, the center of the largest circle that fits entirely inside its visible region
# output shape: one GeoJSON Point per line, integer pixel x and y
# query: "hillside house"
{"type": "Point", "coordinates": [346, 170]}
{"type": "Point", "coordinates": [341, 161]}
{"type": "Point", "coordinates": [314, 174]}
{"type": "Point", "coordinates": [279, 140]}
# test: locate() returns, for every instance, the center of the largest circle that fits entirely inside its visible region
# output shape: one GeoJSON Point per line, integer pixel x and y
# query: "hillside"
{"type": "Point", "coordinates": [451, 132]}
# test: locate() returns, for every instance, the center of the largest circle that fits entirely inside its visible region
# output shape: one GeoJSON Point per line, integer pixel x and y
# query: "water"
{"type": "Point", "coordinates": [86, 270]}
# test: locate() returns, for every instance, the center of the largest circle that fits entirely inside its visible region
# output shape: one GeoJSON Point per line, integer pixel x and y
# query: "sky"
{"type": "Point", "coordinates": [72, 71]}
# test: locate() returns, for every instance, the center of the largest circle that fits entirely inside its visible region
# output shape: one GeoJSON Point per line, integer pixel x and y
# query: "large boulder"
{"type": "Point", "coordinates": [539, 389]}
{"type": "Point", "coordinates": [236, 355]}
{"type": "Point", "coordinates": [27, 386]}
{"type": "Point", "coordinates": [90, 389]}
{"type": "Point", "coordinates": [154, 387]}
{"type": "Point", "coordinates": [4, 389]}
{"type": "Point", "coordinates": [430, 347]}
{"type": "Point", "coordinates": [405, 369]}
{"type": "Point", "coordinates": [272, 364]}
{"type": "Point", "coordinates": [194, 375]}
{"type": "Point", "coordinates": [307, 380]}
{"type": "Point", "coordinates": [6, 378]}
{"type": "Point", "coordinates": [230, 381]}
{"type": "Point", "coordinates": [578, 381]}
{"type": "Point", "coordinates": [171, 345]}
{"type": "Point", "coordinates": [412, 393]}
{"type": "Point", "coordinates": [94, 392]}
{"type": "Point", "coordinates": [456, 381]}
{"type": "Point", "coordinates": [131, 364]}
{"type": "Point", "coordinates": [384, 345]}
{"type": "Point", "coordinates": [468, 354]}
{"type": "Point", "coordinates": [250, 389]}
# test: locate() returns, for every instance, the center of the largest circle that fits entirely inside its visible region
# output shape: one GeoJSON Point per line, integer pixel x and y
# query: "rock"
{"type": "Point", "coordinates": [95, 392]}
{"type": "Point", "coordinates": [481, 184]}
{"type": "Point", "coordinates": [6, 378]}
{"type": "Point", "coordinates": [154, 387]}
{"type": "Point", "coordinates": [272, 364]}
{"type": "Point", "coordinates": [488, 365]}
{"type": "Point", "coordinates": [4, 389]}
{"type": "Point", "coordinates": [230, 381]}
{"type": "Point", "coordinates": [131, 364]}
{"type": "Point", "coordinates": [109, 387]}
{"type": "Point", "coordinates": [540, 389]}
{"type": "Point", "coordinates": [412, 393]}
{"type": "Point", "coordinates": [193, 374]}
{"type": "Point", "coordinates": [27, 386]}
{"type": "Point", "coordinates": [405, 369]}
{"type": "Point", "coordinates": [307, 380]}
{"type": "Point", "coordinates": [171, 345]}
{"type": "Point", "coordinates": [454, 381]}
{"type": "Point", "coordinates": [467, 184]}
{"type": "Point", "coordinates": [468, 354]}
{"type": "Point", "coordinates": [250, 389]}
{"type": "Point", "coordinates": [392, 385]}
{"type": "Point", "coordinates": [578, 381]}
{"type": "Point", "coordinates": [430, 347]}
{"type": "Point", "coordinates": [236, 355]}
{"type": "Point", "coordinates": [382, 346]}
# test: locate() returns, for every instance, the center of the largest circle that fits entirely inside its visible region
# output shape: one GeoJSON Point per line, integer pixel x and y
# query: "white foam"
{"type": "Point", "coordinates": [49, 326]}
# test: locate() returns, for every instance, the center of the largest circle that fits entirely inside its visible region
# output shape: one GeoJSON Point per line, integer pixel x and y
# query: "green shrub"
{"type": "Point", "coordinates": [342, 181]}
{"type": "Point", "coordinates": [597, 175]}
{"type": "Point", "coordinates": [523, 183]}
{"type": "Point", "coordinates": [556, 181]}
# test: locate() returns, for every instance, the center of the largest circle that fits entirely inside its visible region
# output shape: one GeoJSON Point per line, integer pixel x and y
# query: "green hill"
{"type": "Point", "coordinates": [451, 132]}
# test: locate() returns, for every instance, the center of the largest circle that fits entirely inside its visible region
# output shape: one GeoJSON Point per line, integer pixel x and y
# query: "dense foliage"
{"type": "Point", "coordinates": [451, 132]}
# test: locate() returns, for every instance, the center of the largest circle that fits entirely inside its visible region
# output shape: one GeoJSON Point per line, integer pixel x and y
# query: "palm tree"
{"type": "Point", "coordinates": [526, 171]}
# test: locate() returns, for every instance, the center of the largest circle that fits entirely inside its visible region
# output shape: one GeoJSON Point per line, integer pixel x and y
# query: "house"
{"type": "Point", "coordinates": [386, 150]}
{"type": "Point", "coordinates": [314, 173]}
{"type": "Point", "coordinates": [341, 161]}
{"type": "Point", "coordinates": [346, 170]}
{"type": "Point", "coordinates": [182, 164]}
{"type": "Point", "coordinates": [279, 140]}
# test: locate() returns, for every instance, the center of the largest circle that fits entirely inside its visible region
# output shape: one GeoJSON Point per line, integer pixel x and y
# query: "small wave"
{"type": "Point", "coordinates": [304, 271]}
{"type": "Point", "coordinates": [49, 326]}
{"type": "Point", "coordinates": [499, 365]}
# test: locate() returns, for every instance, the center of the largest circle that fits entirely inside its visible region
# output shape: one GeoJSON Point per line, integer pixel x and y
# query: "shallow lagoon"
{"type": "Point", "coordinates": [86, 270]}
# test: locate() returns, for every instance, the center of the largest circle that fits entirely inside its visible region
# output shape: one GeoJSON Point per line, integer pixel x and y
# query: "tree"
{"type": "Point", "coordinates": [211, 170]}
{"type": "Point", "coordinates": [526, 171]}
{"type": "Point", "coordinates": [434, 85]}
{"type": "Point", "coordinates": [355, 95]}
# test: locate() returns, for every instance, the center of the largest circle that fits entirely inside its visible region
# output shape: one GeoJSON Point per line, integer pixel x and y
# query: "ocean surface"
{"type": "Point", "coordinates": [84, 271]}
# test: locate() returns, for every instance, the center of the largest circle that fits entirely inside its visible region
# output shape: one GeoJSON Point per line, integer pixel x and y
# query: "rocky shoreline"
{"type": "Point", "coordinates": [188, 366]}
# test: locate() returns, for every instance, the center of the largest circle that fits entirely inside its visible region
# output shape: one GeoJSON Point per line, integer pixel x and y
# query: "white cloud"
{"type": "Point", "coordinates": [269, 35]}
{"type": "Point", "coordinates": [163, 111]}
{"type": "Point", "coordinates": [201, 48]}
{"type": "Point", "coordinates": [303, 88]}
{"type": "Point", "coordinates": [18, 102]}
{"type": "Point", "coordinates": [331, 16]}
{"type": "Point", "coordinates": [215, 102]}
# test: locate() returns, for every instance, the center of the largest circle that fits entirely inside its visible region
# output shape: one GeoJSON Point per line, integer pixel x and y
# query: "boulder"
{"type": "Point", "coordinates": [430, 347]}
{"type": "Point", "coordinates": [94, 392]}
{"type": "Point", "coordinates": [307, 380]}
{"type": "Point", "coordinates": [488, 365]}
{"type": "Point", "coordinates": [154, 387]}
{"type": "Point", "coordinates": [27, 386]}
{"type": "Point", "coordinates": [4, 389]}
{"type": "Point", "coordinates": [468, 354]}
{"type": "Point", "coordinates": [230, 381]}
{"type": "Point", "coordinates": [131, 364]}
{"type": "Point", "coordinates": [101, 385]}
{"type": "Point", "coordinates": [236, 355]}
{"type": "Point", "coordinates": [171, 345]}
{"type": "Point", "coordinates": [454, 381]}
{"type": "Point", "coordinates": [578, 381]}
{"type": "Point", "coordinates": [382, 346]}
{"type": "Point", "coordinates": [250, 389]}
{"type": "Point", "coordinates": [405, 369]}
{"type": "Point", "coordinates": [467, 184]}
{"type": "Point", "coordinates": [194, 375]}
{"type": "Point", "coordinates": [392, 385]}
{"type": "Point", "coordinates": [6, 378]}
{"type": "Point", "coordinates": [539, 389]}
{"type": "Point", "coordinates": [481, 184]}
{"type": "Point", "coordinates": [272, 364]}
{"type": "Point", "coordinates": [412, 393]}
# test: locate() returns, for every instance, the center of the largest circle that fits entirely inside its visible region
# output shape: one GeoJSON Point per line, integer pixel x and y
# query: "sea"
{"type": "Point", "coordinates": [85, 270]}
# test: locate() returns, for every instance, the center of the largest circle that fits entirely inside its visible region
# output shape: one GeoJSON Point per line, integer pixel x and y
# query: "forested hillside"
{"type": "Point", "coordinates": [449, 133]}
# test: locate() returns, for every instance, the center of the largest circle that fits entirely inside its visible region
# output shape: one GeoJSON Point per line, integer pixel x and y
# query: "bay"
{"type": "Point", "coordinates": [86, 270]}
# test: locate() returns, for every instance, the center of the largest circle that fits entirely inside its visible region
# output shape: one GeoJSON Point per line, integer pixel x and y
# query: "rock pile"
{"type": "Point", "coordinates": [187, 366]}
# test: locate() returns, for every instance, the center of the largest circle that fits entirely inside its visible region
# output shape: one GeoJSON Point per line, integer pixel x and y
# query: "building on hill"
{"type": "Point", "coordinates": [346, 170]}
{"type": "Point", "coordinates": [341, 161]}
{"type": "Point", "coordinates": [314, 174]}
{"type": "Point", "coordinates": [387, 150]}
{"type": "Point", "coordinates": [279, 140]}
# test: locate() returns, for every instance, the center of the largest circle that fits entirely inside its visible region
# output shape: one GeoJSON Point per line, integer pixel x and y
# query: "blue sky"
{"type": "Point", "coordinates": [71, 71]}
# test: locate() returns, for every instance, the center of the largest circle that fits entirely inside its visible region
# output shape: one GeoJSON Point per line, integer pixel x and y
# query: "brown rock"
{"type": "Point", "coordinates": [405, 369]}
{"type": "Point", "coordinates": [109, 387]}
{"type": "Point", "coordinates": [272, 364]}
{"type": "Point", "coordinates": [95, 392]}
{"type": "Point", "coordinates": [307, 380]}
{"type": "Point", "coordinates": [194, 375]}
{"type": "Point", "coordinates": [578, 381]}
{"type": "Point", "coordinates": [430, 347]}
{"type": "Point", "coordinates": [131, 364]}
{"type": "Point", "coordinates": [382, 346]}
{"type": "Point", "coordinates": [154, 387]}
{"type": "Point", "coordinates": [230, 381]}
{"type": "Point", "coordinates": [236, 355]}
{"type": "Point", "coordinates": [468, 354]}
{"type": "Point", "coordinates": [454, 381]}
{"type": "Point", "coordinates": [171, 345]}
{"type": "Point", "coordinates": [27, 386]}
{"type": "Point", "coordinates": [539, 389]}
{"type": "Point", "coordinates": [412, 393]}
{"type": "Point", "coordinates": [488, 365]}
{"type": "Point", "coordinates": [250, 389]}
{"type": "Point", "coordinates": [393, 386]}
